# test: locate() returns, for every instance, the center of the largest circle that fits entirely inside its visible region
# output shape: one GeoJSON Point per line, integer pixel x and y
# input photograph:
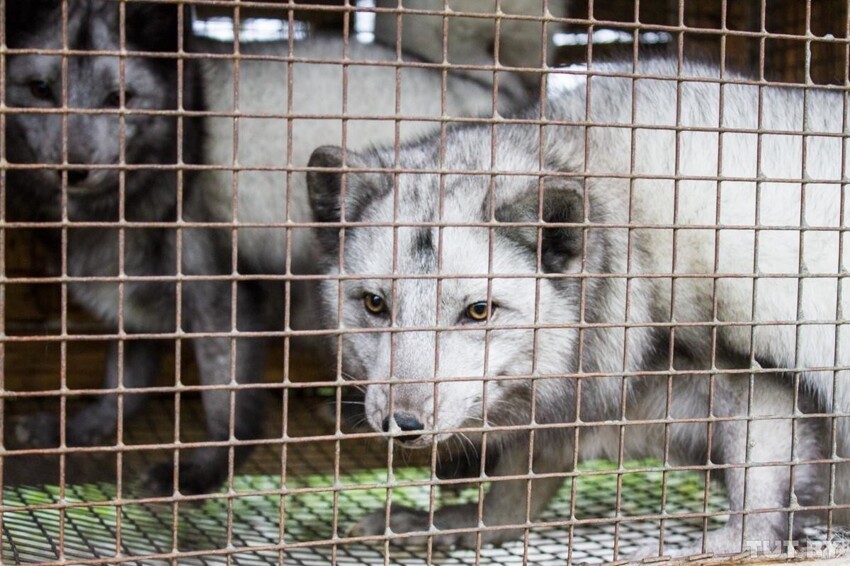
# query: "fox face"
{"type": "Point", "coordinates": [84, 115]}
{"type": "Point", "coordinates": [444, 313]}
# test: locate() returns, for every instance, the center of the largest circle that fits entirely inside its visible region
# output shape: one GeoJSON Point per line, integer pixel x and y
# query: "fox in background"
{"type": "Point", "coordinates": [97, 190]}
{"type": "Point", "coordinates": [554, 266]}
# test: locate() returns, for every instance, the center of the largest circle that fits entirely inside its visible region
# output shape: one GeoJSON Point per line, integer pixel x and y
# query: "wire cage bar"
{"type": "Point", "coordinates": [339, 263]}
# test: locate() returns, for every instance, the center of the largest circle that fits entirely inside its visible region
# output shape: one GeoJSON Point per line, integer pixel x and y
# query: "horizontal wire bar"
{"type": "Point", "coordinates": [488, 428]}
{"type": "Point", "coordinates": [470, 327]}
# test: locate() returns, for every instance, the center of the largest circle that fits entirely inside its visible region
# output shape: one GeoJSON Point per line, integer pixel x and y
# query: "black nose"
{"type": "Point", "coordinates": [407, 423]}
{"type": "Point", "coordinates": [77, 176]}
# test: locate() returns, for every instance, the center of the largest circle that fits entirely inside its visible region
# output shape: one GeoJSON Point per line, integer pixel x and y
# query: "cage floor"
{"type": "Point", "coordinates": [296, 525]}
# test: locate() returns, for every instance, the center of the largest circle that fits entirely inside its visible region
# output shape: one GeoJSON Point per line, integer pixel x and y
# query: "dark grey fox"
{"type": "Point", "coordinates": [35, 82]}
{"type": "Point", "coordinates": [90, 141]}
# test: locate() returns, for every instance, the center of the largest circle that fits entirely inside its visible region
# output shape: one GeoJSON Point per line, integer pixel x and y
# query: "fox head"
{"type": "Point", "coordinates": [440, 288]}
{"type": "Point", "coordinates": [83, 115]}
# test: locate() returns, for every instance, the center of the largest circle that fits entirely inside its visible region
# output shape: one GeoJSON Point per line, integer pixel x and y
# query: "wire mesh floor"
{"type": "Point", "coordinates": [296, 525]}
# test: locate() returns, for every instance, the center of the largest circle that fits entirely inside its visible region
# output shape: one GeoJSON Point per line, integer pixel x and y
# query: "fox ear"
{"type": "Point", "coordinates": [325, 187]}
{"type": "Point", "coordinates": [562, 203]}
{"type": "Point", "coordinates": [25, 16]}
{"type": "Point", "coordinates": [155, 27]}
{"type": "Point", "coordinates": [15, 11]}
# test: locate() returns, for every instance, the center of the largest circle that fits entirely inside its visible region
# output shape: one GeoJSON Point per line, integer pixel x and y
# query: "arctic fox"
{"type": "Point", "coordinates": [35, 81]}
{"type": "Point", "coordinates": [663, 248]}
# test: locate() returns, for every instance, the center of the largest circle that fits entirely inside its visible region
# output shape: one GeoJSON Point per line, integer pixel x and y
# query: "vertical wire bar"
{"type": "Point", "coordinates": [715, 300]}
{"type": "Point", "coordinates": [3, 194]}
{"type": "Point", "coordinates": [122, 242]}
{"type": "Point", "coordinates": [491, 196]}
{"type": "Point", "coordinates": [621, 428]}
{"type": "Point", "coordinates": [178, 244]}
{"type": "Point", "coordinates": [393, 301]}
{"type": "Point", "coordinates": [234, 268]}
{"type": "Point", "coordinates": [757, 233]}
{"type": "Point", "coordinates": [346, 57]}
{"type": "Point", "coordinates": [482, 472]}
{"type": "Point", "coordinates": [439, 282]}
{"type": "Point", "coordinates": [582, 309]}
{"type": "Point", "coordinates": [627, 311]}
{"type": "Point", "coordinates": [668, 400]}
{"type": "Point", "coordinates": [541, 164]}
{"type": "Point", "coordinates": [338, 399]}
{"type": "Point", "coordinates": [497, 17]}
{"type": "Point", "coordinates": [677, 168]}
{"type": "Point", "coordinates": [63, 345]}
{"type": "Point", "coordinates": [751, 387]}
{"type": "Point", "coordinates": [801, 270]}
{"type": "Point", "coordinates": [840, 282]}
{"type": "Point", "coordinates": [718, 218]}
{"type": "Point", "coordinates": [340, 298]}
{"type": "Point", "coordinates": [491, 214]}
{"type": "Point", "coordinates": [340, 368]}
{"type": "Point", "coordinates": [287, 317]}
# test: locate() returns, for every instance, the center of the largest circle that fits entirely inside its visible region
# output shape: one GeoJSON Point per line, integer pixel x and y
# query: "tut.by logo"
{"type": "Point", "coordinates": [810, 549]}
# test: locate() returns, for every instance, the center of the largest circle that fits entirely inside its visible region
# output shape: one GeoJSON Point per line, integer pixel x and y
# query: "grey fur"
{"type": "Point", "coordinates": [583, 209]}
{"type": "Point", "coordinates": [149, 196]}
{"type": "Point", "coordinates": [150, 307]}
{"type": "Point", "coordinates": [472, 41]}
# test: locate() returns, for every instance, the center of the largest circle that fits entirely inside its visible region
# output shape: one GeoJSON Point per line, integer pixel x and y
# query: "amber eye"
{"type": "Point", "coordinates": [478, 311]}
{"type": "Point", "coordinates": [374, 303]}
{"type": "Point", "coordinates": [41, 90]}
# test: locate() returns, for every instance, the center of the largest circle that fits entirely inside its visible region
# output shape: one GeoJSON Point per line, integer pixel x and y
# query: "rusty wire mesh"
{"type": "Point", "coordinates": [312, 474]}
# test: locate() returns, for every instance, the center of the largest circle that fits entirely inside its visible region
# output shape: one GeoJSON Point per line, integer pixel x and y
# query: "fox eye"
{"type": "Point", "coordinates": [41, 90]}
{"type": "Point", "coordinates": [375, 304]}
{"type": "Point", "coordinates": [113, 99]}
{"type": "Point", "coordinates": [479, 311]}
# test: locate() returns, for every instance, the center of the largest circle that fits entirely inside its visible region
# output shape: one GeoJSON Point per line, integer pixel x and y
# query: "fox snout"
{"type": "Point", "coordinates": [414, 416]}
{"type": "Point", "coordinates": [409, 424]}
{"type": "Point", "coordinates": [410, 414]}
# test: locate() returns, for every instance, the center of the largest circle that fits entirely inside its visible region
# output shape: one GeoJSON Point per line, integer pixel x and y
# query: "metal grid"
{"type": "Point", "coordinates": [147, 530]}
{"type": "Point", "coordinates": [80, 522]}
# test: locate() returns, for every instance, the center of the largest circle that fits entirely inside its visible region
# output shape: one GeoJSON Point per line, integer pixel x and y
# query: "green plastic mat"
{"type": "Point", "coordinates": [255, 534]}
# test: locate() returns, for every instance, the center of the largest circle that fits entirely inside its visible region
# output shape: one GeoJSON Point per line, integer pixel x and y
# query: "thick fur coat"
{"type": "Point", "coordinates": [646, 256]}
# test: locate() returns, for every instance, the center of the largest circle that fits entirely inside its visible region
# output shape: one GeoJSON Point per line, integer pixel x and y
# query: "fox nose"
{"type": "Point", "coordinates": [75, 176]}
{"type": "Point", "coordinates": [407, 423]}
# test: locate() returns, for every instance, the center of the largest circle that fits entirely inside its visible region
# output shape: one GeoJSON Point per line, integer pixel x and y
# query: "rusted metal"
{"type": "Point", "coordinates": [285, 390]}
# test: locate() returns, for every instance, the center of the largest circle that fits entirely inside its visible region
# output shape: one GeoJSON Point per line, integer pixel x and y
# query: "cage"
{"type": "Point", "coordinates": [228, 93]}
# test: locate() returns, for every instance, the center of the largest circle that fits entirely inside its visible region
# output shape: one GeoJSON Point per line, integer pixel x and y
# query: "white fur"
{"type": "Point", "coordinates": [626, 230]}
{"type": "Point", "coordinates": [317, 90]}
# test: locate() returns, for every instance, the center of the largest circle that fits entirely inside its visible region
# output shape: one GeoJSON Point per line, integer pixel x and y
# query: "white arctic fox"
{"type": "Point", "coordinates": [603, 276]}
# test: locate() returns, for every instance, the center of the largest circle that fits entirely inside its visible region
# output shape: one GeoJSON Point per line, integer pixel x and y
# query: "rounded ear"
{"type": "Point", "coordinates": [25, 16]}
{"type": "Point", "coordinates": [562, 205]}
{"type": "Point", "coordinates": [155, 27]}
{"type": "Point", "coordinates": [325, 187]}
